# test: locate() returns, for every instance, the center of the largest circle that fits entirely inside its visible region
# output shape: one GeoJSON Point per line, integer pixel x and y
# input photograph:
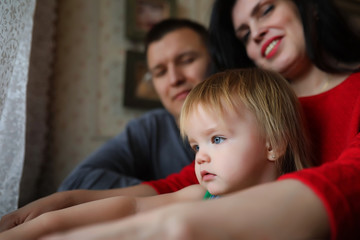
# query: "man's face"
{"type": "Point", "coordinates": [177, 63]}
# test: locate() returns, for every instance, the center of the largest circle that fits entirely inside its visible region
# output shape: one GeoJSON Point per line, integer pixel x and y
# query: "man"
{"type": "Point", "coordinates": [150, 147]}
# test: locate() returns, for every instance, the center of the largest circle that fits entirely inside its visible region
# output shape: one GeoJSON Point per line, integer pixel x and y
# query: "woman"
{"type": "Point", "coordinates": [309, 44]}
{"type": "Point", "coordinates": [316, 55]}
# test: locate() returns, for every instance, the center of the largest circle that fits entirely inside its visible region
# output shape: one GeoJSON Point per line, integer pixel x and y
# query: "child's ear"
{"type": "Point", "coordinates": [272, 153]}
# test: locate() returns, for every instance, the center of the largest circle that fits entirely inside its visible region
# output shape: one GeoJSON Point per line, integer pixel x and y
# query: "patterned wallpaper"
{"type": "Point", "coordinates": [88, 84]}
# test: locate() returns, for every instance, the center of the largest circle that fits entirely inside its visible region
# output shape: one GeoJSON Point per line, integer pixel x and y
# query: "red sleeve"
{"type": "Point", "coordinates": [175, 181]}
{"type": "Point", "coordinates": [338, 186]}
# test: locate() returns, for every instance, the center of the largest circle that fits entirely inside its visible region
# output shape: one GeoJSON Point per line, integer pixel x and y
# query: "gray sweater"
{"type": "Point", "coordinates": [149, 148]}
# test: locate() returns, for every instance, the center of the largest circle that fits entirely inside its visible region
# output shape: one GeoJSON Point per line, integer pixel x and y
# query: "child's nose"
{"type": "Point", "coordinates": [202, 157]}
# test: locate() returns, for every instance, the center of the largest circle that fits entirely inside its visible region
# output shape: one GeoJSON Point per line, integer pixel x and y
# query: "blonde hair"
{"type": "Point", "coordinates": [268, 95]}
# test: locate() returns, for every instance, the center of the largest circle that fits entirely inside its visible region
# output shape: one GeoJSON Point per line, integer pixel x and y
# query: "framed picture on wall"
{"type": "Point", "coordinates": [139, 91]}
{"type": "Point", "coordinates": [141, 15]}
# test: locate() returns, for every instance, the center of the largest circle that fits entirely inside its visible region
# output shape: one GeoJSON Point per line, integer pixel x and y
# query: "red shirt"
{"type": "Point", "coordinates": [333, 118]}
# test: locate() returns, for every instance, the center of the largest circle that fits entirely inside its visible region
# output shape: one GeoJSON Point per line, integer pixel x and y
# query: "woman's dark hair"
{"type": "Point", "coordinates": [227, 51]}
{"type": "Point", "coordinates": [166, 26]}
{"type": "Point", "coordinates": [329, 38]}
{"type": "Point", "coordinates": [330, 43]}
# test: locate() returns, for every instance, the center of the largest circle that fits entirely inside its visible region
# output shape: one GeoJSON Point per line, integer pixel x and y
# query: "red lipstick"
{"type": "Point", "coordinates": [270, 47]}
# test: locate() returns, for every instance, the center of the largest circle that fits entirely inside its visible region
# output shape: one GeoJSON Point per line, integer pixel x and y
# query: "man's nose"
{"type": "Point", "coordinates": [176, 75]}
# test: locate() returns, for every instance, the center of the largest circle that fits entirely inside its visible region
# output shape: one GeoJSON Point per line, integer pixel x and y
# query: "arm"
{"type": "Point", "coordinates": [66, 199]}
{"type": "Point", "coordinates": [261, 212]}
{"type": "Point", "coordinates": [337, 185]}
{"type": "Point", "coordinates": [175, 181]}
{"type": "Point", "coordinates": [169, 147]}
{"type": "Point", "coordinates": [96, 212]}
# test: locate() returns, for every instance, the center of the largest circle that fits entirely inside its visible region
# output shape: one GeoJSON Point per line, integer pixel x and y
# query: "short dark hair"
{"type": "Point", "coordinates": [329, 39]}
{"type": "Point", "coordinates": [168, 25]}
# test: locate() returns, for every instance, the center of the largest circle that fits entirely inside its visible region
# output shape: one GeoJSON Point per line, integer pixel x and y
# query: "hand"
{"type": "Point", "coordinates": [255, 213]}
{"type": "Point", "coordinates": [53, 202]}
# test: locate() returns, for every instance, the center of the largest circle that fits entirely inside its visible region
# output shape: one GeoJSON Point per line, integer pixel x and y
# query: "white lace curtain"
{"type": "Point", "coordinates": [16, 22]}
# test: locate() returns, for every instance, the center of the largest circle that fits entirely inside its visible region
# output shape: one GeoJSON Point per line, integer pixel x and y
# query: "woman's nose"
{"type": "Point", "coordinates": [259, 34]}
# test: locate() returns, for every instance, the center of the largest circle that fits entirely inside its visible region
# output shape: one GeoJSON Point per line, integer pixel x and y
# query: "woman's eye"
{"type": "Point", "coordinates": [217, 139]}
{"type": "Point", "coordinates": [195, 148]}
{"type": "Point", "coordinates": [245, 38]}
{"type": "Point", "coordinates": [267, 9]}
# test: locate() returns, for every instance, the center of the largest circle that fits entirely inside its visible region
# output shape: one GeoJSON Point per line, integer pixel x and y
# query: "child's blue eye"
{"type": "Point", "coordinates": [217, 139]}
{"type": "Point", "coordinates": [196, 148]}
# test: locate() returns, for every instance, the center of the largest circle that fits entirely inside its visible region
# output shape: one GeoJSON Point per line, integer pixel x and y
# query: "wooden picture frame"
{"type": "Point", "coordinates": [141, 15]}
{"type": "Point", "coordinates": [139, 91]}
